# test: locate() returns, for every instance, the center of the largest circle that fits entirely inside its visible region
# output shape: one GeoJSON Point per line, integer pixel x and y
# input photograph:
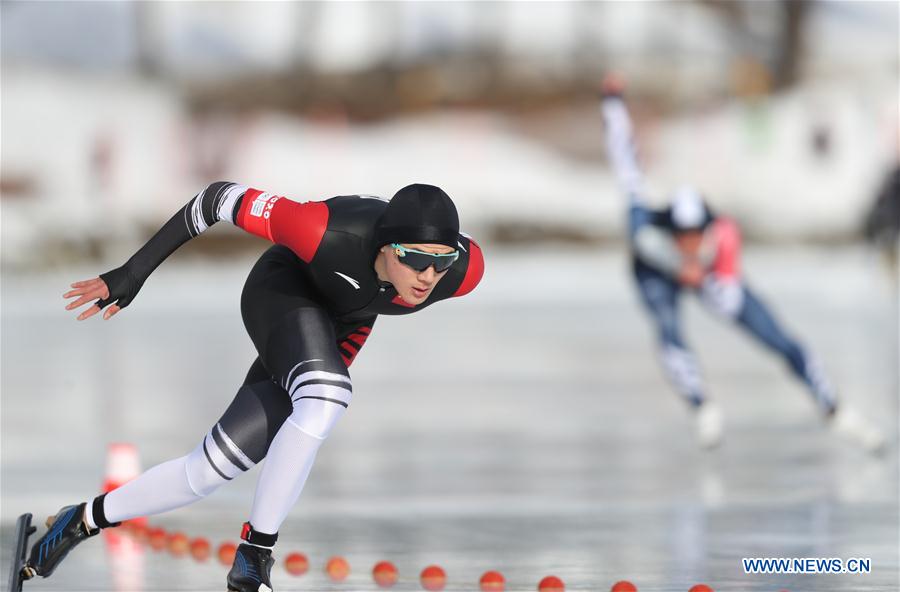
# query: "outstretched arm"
{"type": "Point", "coordinates": [219, 201]}
{"type": "Point", "coordinates": [299, 226]}
{"type": "Point", "coordinates": [651, 244]}
{"type": "Point", "coordinates": [620, 144]}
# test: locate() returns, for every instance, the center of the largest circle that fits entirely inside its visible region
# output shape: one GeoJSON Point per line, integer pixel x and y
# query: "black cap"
{"type": "Point", "coordinates": [421, 214]}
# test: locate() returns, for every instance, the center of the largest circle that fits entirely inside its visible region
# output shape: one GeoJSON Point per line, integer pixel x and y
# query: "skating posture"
{"type": "Point", "coordinates": [308, 305]}
{"type": "Point", "coordinates": [686, 247]}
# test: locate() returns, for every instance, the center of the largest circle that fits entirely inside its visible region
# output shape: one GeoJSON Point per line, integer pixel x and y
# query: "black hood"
{"type": "Point", "coordinates": [420, 214]}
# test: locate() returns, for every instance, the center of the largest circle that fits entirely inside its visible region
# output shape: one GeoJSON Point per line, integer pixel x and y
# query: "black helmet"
{"type": "Point", "coordinates": [419, 213]}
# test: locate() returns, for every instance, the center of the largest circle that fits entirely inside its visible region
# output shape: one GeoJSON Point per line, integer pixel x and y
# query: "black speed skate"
{"type": "Point", "coordinates": [17, 573]}
{"type": "Point", "coordinates": [64, 531]}
{"type": "Point", "coordinates": [251, 569]}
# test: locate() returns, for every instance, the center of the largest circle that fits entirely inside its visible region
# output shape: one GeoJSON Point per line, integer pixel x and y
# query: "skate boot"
{"type": "Point", "coordinates": [251, 569]}
{"type": "Point", "coordinates": [709, 425]}
{"type": "Point", "coordinates": [850, 424]}
{"type": "Point", "coordinates": [65, 530]}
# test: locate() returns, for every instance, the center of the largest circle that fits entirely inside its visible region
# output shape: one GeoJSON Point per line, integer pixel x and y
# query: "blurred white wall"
{"type": "Point", "coordinates": [804, 165]}
{"type": "Point", "coordinates": [92, 148]}
{"type": "Point", "coordinates": [94, 153]}
{"type": "Point", "coordinates": [756, 161]}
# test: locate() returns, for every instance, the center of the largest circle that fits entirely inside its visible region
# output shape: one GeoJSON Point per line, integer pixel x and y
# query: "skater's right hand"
{"type": "Point", "coordinates": [118, 286]}
{"type": "Point", "coordinates": [89, 291]}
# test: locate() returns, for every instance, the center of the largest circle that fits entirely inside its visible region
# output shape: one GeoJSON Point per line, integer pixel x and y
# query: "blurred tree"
{"type": "Point", "coordinates": [769, 32]}
{"type": "Point", "coordinates": [790, 48]}
{"type": "Point", "coordinates": [146, 39]}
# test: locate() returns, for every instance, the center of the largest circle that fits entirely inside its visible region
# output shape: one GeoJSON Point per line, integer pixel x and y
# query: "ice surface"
{"type": "Point", "coordinates": [551, 445]}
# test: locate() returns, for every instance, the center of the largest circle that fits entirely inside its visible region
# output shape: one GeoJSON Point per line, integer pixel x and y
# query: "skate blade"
{"type": "Point", "coordinates": [20, 570]}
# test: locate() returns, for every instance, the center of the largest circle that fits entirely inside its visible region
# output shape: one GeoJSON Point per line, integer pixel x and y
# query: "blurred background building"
{"type": "Point", "coordinates": [784, 113]}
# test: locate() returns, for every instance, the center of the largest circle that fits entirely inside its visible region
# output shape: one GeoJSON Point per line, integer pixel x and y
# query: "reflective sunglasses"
{"type": "Point", "coordinates": [420, 260]}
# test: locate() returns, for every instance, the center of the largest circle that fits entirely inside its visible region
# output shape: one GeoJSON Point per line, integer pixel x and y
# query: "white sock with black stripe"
{"type": "Point", "coordinates": [283, 476]}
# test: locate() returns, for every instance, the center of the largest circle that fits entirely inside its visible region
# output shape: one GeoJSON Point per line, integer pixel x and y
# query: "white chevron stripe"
{"type": "Point", "coordinates": [328, 391]}
{"type": "Point", "coordinates": [219, 459]}
{"type": "Point", "coordinates": [226, 204]}
{"type": "Point", "coordinates": [284, 384]}
{"type": "Point", "coordinates": [312, 374]}
{"type": "Point", "coordinates": [234, 448]}
{"type": "Point", "coordinates": [197, 213]}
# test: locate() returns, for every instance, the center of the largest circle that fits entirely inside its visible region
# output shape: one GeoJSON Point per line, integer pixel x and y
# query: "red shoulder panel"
{"type": "Point", "coordinates": [253, 225]}
{"type": "Point", "coordinates": [728, 248]}
{"type": "Point", "coordinates": [298, 226]}
{"type": "Point", "coordinates": [474, 272]}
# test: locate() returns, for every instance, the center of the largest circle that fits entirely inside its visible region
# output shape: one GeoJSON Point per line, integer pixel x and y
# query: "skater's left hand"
{"type": "Point", "coordinates": [612, 85]}
{"type": "Point", "coordinates": [90, 291]}
{"type": "Point", "coordinates": [691, 273]}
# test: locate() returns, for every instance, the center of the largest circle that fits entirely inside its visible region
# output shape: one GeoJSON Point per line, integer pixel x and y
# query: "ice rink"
{"type": "Point", "coordinates": [525, 428]}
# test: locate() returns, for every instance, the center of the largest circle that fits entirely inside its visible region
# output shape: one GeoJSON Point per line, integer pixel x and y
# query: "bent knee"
{"type": "Point", "coordinates": [320, 399]}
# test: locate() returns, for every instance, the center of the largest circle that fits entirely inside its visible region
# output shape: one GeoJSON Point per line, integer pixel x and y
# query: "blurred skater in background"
{"type": "Point", "coordinates": [687, 247]}
{"type": "Point", "coordinates": [882, 224]}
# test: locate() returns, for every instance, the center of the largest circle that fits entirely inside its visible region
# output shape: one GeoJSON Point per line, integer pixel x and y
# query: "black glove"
{"type": "Point", "coordinates": [123, 286]}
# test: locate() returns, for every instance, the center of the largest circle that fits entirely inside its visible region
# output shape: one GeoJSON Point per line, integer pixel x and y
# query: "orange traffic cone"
{"type": "Point", "coordinates": [125, 553]}
{"type": "Point", "coordinates": [122, 465]}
